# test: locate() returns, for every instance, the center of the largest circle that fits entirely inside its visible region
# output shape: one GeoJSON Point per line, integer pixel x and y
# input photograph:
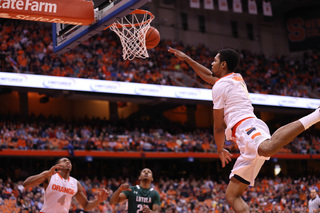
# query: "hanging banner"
{"type": "Point", "coordinates": [267, 10]}
{"type": "Point", "coordinates": [208, 4]}
{"type": "Point", "coordinates": [195, 4]}
{"type": "Point", "coordinates": [252, 7]}
{"type": "Point", "coordinates": [237, 6]}
{"type": "Point", "coordinates": [74, 12]}
{"type": "Point", "coordinates": [303, 26]}
{"type": "Point", "coordinates": [223, 5]}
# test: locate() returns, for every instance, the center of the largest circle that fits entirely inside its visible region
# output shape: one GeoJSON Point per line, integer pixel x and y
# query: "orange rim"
{"type": "Point", "coordinates": [137, 11]}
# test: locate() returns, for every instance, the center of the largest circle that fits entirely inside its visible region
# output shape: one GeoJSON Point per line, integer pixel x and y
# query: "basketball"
{"type": "Point", "coordinates": [152, 38]}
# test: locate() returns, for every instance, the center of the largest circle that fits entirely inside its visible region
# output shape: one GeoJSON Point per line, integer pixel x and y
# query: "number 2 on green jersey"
{"type": "Point", "coordinates": [139, 207]}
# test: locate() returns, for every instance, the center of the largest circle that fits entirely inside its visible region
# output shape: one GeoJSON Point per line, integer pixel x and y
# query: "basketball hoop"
{"type": "Point", "coordinates": [132, 30]}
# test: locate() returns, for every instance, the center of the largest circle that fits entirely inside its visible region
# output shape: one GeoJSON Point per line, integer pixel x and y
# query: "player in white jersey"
{"type": "Point", "coordinates": [234, 119]}
{"type": "Point", "coordinates": [60, 187]}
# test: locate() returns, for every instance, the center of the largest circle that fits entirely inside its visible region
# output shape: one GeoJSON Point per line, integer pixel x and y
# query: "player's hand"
{"type": "Point", "coordinates": [181, 55]}
{"type": "Point", "coordinates": [103, 194]}
{"type": "Point", "coordinates": [54, 169]}
{"type": "Point", "coordinates": [146, 209]}
{"type": "Point", "coordinates": [225, 157]}
{"type": "Point", "coordinates": [125, 187]}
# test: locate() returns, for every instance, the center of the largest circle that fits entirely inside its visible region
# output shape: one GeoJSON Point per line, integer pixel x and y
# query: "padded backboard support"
{"type": "Point", "coordinates": [66, 37]}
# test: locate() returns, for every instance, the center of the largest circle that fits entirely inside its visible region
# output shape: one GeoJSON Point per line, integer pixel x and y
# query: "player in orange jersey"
{"type": "Point", "coordinates": [234, 119]}
{"type": "Point", "coordinates": [60, 187]}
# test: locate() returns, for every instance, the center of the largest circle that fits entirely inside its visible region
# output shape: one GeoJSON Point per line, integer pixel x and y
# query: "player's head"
{"type": "Point", "coordinates": [313, 193]}
{"type": "Point", "coordinates": [230, 57]}
{"type": "Point", "coordinates": [146, 174]}
{"type": "Point", "coordinates": [66, 163]}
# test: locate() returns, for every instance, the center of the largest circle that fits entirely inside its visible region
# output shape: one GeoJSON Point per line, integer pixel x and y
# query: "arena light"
{"type": "Point", "coordinates": [277, 169]}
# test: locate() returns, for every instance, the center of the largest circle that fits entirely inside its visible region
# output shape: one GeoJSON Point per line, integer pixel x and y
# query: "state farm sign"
{"type": "Point", "coordinates": [75, 12]}
{"type": "Point", "coordinates": [36, 6]}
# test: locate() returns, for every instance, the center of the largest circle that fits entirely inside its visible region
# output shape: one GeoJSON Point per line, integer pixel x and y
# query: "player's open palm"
{"type": "Point", "coordinates": [182, 56]}
{"type": "Point", "coordinates": [103, 195]}
{"type": "Point", "coordinates": [54, 169]}
{"type": "Point", "coordinates": [225, 157]}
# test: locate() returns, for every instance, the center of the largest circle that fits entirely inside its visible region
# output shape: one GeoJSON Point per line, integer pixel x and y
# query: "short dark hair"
{"type": "Point", "coordinates": [231, 57]}
{"type": "Point", "coordinates": [144, 169]}
{"type": "Point", "coordinates": [58, 160]}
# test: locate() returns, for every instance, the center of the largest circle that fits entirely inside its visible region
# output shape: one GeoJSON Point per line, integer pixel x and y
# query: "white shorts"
{"type": "Point", "coordinates": [249, 135]}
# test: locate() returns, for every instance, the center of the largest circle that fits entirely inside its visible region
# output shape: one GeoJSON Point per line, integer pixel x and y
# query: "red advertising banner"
{"type": "Point", "coordinates": [74, 12]}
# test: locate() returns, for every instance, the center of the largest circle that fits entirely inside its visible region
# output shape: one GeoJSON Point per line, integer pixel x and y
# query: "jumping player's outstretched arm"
{"type": "Point", "coordinates": [203, 72]}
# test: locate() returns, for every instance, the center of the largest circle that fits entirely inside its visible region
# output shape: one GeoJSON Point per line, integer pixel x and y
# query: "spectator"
{"type": "Point", "coordinates": [314, 201]}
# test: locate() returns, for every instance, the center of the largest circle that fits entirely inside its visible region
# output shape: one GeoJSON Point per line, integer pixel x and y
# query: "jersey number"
{"type": "Point", "coordinates": [62, 200]}
{"type": "Point", "coordinates": [139, 207]}
{"type": "Point", "coordinates": [244, 87]}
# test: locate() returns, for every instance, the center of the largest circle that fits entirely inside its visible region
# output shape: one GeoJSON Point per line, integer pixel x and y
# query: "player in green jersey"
{"type": "Point", "coordinates": [141, 198]}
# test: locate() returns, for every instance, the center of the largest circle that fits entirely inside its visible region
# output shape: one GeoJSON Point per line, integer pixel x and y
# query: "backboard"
{"type": "Point", "coordinates": [106, 12]}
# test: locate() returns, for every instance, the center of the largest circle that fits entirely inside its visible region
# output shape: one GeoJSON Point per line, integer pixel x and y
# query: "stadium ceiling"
{"type": "Point", "coordinates": [287, 5]}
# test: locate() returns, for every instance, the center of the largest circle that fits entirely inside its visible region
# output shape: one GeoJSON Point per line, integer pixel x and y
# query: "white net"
{"type": "Point", "coordinates": [132, 30]}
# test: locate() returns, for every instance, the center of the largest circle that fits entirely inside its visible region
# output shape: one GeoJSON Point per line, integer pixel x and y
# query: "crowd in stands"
{"type": "Point", "coordinates": [41, 133]}
{"type": "Point", "coordinates": [27, 48]}
{"type": "Point", "coordinates": [184, 195]}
